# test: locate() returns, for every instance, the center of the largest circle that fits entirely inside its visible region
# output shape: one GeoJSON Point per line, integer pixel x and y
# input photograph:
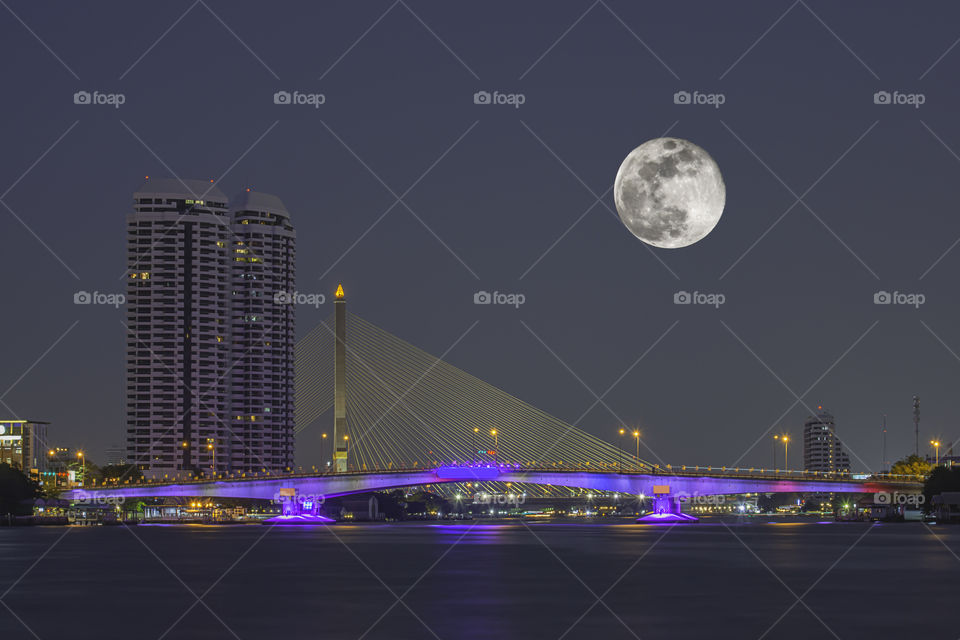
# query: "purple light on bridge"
{"type": "Point", "coordinates": [301, 519]}
{"type": "Point", "coordinates": [452, 472]}
{"type": "Point", "coordinates": [666, 508]}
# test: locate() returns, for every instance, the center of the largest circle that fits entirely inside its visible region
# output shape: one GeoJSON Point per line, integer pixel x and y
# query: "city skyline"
{"type": "Point", "coordinates": [585, 319]}
{"type": "Point", "coordinates": [494, 186]}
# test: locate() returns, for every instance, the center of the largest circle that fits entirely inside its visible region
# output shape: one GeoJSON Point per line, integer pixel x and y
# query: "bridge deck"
{"type": "Point", "coordinates": [675, 483]}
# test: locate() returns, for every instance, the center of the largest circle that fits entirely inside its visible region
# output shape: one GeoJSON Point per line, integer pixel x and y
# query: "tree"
{"type": "Point", "coordinates": [17, 492]}
{"type": "Point", "coordinates": [121, 473]}
{"type": "Point", "coordinates": [942, 479]}
{"type": "Point", "coordinates": [912, 465]}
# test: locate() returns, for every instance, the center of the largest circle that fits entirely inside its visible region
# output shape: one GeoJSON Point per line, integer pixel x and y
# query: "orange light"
{"type": "Point", "coordinates": [339, 294]}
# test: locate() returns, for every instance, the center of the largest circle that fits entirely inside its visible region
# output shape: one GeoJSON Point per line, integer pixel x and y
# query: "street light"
{"type": "Point", "coordinates": [213, 452]}
{"type": "Point", "coordinates": [476, 442]}
{"type": "Point", "coordinates": [496, 443]}
{"type": "Point", "coordinates": [323, 447]}
{"type": "Point", "coordinates": [636, 436]}
{"type": "Point", "coordinates": [786, 443]}
{"type": "Point", "coordinates": [83, 468]}
{"type": "Point", "coordinates": [936, 446]}
{"type": "Point", "coordinates": [620, 449]}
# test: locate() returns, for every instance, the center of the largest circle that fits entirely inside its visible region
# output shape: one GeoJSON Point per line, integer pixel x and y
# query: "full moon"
{"type": "Point", "coordinates": [669, 193]}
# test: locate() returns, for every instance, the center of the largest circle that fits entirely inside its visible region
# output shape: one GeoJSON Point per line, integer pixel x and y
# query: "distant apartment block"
{"type": "Point", "coordinates": [822, 450]}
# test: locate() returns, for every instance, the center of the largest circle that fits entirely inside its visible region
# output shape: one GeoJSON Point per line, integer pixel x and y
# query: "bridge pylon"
{"type": "Point", "coordinates": [340, 435]}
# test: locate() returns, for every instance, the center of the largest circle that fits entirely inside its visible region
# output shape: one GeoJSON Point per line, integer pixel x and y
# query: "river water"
{"type": "Point", "coordinates": [730, 578]}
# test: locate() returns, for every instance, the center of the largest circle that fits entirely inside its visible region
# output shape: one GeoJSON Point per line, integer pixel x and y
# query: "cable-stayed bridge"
{"type": "Point", "coordinates": [403, 417]}
{"type": "Point", "coordinates": [407, 409]}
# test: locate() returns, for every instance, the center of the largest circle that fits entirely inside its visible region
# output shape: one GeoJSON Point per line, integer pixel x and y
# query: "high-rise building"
{"type": "Point", "coordinates": [178, 321]}
{"type": "Point", "coordinates": [261, 333]}
{"type": "Point", "coordinates": [195, 341]}
{"type": "Point", "coordinates": [822, 450]}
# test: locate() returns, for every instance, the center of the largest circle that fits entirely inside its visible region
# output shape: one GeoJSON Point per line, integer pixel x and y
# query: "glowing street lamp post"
{"type": "Point", "coordinates": [213, 452]}
{"type": "Point", "coordinates": [786, 459]}
{"type": "Point", "coordinates": [936, 447]}
{"type": "Point", "coordinates": [496, 444]}
{"type": "Point", "coordinates": [323, 447]}
{"type": "Point", "coordinates": [83, 468]}
{"type": "Point", "coordinates": [636, 436]}
{"type": "Point", "coordinates": [620, 450]}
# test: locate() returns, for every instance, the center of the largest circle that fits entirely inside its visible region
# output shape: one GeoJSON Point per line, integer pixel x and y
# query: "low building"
{"type": "Point", "coordinates": [946, 506]}
{"type": "Point", "coordinates": [23, 445]}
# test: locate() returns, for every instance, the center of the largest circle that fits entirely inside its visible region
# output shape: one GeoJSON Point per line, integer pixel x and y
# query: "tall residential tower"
{"type": "Point", "coordinates": [261, 333]}
{"type": "Point", "coordinates": [209, 354]}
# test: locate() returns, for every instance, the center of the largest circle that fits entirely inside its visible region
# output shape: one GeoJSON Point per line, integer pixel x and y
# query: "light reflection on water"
{"type": "Point", "coordinates": [483, 579]}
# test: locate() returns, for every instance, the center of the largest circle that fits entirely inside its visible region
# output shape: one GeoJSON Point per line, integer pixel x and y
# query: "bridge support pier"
{"type": "Point", "coordinates": [666, 509]}
{"type": "Point", "coordinates": [298, 509]}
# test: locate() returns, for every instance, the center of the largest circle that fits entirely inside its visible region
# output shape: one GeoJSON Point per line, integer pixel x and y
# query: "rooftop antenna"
{"type": "Point", "coordinates": [883, 445]}
{"type": "Point", "coordinates": [916, 425]}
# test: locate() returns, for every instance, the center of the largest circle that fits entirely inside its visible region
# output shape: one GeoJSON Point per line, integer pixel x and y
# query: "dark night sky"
{"type": "Point", "coordinates": [798, 101]}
